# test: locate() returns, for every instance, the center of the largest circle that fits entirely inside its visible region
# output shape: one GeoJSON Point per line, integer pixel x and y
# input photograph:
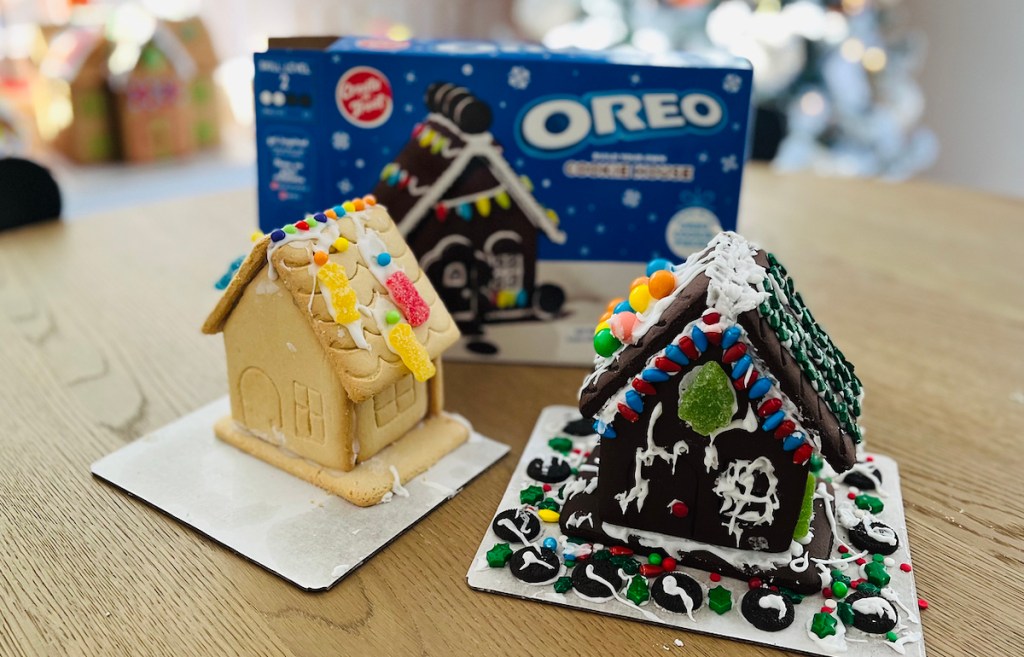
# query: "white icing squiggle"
{"type": "Point", "coordinates": [736, 488]}
{"type": "Point", "coordinates": [672, 588]}
{"type": "Point", "coordinates": [645, 457]}
{"type": "Point", "coordinates": [773, 602]}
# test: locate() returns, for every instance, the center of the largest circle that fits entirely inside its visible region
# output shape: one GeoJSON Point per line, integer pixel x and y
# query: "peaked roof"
{"type": "Point", "coordinates": [436, 159]}
{"type": "Point", "coordinates": [734, 283]}
{"type": "Point", "coordinates": [364, 370]}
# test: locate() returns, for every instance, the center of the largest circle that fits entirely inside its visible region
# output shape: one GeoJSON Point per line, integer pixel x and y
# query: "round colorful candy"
{"type": "Point", "coordinates": [290, 229]}
{"type": "Point", "coordinates": [340, 245]}
{"type": "Point", "coordinates": [277, 235]}
{"type": "Point", "coordinates": [320, 258]}
{"type": "Point", "coordinates": [605, 343]}
{"type": "Point", "coordinates": [384, 259]}
{"type": "Point", "coordinates": [614, 302]}
{"type": "Point", "coordinates": [661, 284]}
{"type": "Point", "coordinates": [550, 542]}
{"type": "Point", "coordinates": [602, 325]}
{"type": "Point", "coordinates": [639, 280]}
{"type": "Point", "coordinates": [622, 307]}
{"type": "Point", "coordinates": [622, 326]}
{"type": "Point", "coordinates": [392, 317]}
{"type": "Point", "coordinates": [605, 316]}
{"type": "Point", "coordinates": [640, 298]}
{"type": "Point", "coordinates": [657, 265]}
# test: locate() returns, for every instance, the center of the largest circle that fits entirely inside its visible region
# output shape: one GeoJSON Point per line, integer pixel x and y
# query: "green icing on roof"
{"type": "Point", "coordinates": [819, 359]}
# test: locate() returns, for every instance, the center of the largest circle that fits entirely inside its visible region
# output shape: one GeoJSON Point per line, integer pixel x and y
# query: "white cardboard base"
{"type": "Point", "coordinates": [731, 624]}
{"type": "Point", "coordinates": [284, 524]}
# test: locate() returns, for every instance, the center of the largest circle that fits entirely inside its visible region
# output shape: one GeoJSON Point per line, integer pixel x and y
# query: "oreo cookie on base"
{"type": "Point", "coordinates": [767, 610]}
{"type": "Point", "coordinates": [535, 565]}
{"type": "Point", "coordinates": [515, 525]}
{"type": "Point", "coordinates": [678, 593]}
{"type": "Point", "coordinates": [591, 580]}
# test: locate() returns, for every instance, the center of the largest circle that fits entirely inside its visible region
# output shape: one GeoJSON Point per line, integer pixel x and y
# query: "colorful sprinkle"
{"type": "Point", "coordinates": [922, 604]}
{"type": "Point", "coordinates": [773, 421]}
{"type": "Point", "coordinates": [339, 211]}
{"type": "Point", "coordinates": [680, 510]}
{"type": "Point", "coordinates": [792, 441]}
{"type": "Point", "coordinates": [654, 558]}
{"type": "Point", "coordinates": [392, 317]}
{"type": "Point", "coordinates": [700, 341]}
{"type": "Point", "coordinates": [302, 225]}
{"type": "Point", "coordinates": [290, 229]}
{"type": "Point", "coordinates": [741, 366]}
{"type": "Point", "coordinates": [320, 258]}
{"type": "Point", "coordinates": [640, 298]}
{"type": "Point", "coordinates": [658, 264]}
{"type": "Point", "coordinates": [676, 355]}
{"type": "Point", "coordinates": [622, 306]}
{"type": "Point", "coordinates": [730, 336]}
{"type": "Point", "coordinates": [606, 344]}
{"type": "Point", "coordinates": [256, 236]}
{"type": "Point", "coordinates": [340, 245]}
{"type": "Point", "coordinates": [320, 217]}
{"type": "Point", "coordinates": [668, 564]}
{"type": "Point", "coordinates": [550, 543]}
{"type": "Point", "coordinates": [760, 388]}
{"type": "Point", "coordinates": [277, 235]}
{"type": "Point", "coordinates": [384, 259]}
{"type": "Point", "coordinates": [905, 567]}
{"type": "Point", "coordinates": [661, 284]}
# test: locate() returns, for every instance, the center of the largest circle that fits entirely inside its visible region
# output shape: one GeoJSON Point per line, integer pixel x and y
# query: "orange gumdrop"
{"type": "Point", "coordinates": [320, 258]}
{"type": "Point", "coordinates": [661, 284]}
{"type": "Point", "coordinates": [370, 199]}
{"type": "Point", "coordinates": [641, 280]}
{"type": "Point", "coordinates": [605, 316]}
{"type": "Point", "coordinates": [614, 302]}
{"type": "Point", "coordinates": [330, 213]}
{"type": "Point", "coordinates": [358, 204]}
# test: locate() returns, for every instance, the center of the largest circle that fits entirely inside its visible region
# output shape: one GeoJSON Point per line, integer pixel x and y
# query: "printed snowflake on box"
{"type": "Point", "coordinates": [631, 198]}
{"type": "Point", "coordinates": [519, 77]}
{"type": "Point", "coordinates": [732, 83]}
{"type": "Point", "coordinates": [729, 163]}
{"type": "Point", "coordinates": [345, 186]}
{"type": "Point", "coordinates": [410, 77]}
{"type": "Point", "coordinates": [467, 69]}
{"type": "Point", "coordinates": [341, 141]}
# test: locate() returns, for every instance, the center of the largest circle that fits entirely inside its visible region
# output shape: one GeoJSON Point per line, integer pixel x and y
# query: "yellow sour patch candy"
{"type": "Point", "coordinates": [412, 353]}
{"type": "Point", "coordinates": [343, 298]}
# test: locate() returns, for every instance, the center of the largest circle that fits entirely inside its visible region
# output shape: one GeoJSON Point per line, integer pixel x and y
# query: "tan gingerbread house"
{"type": "Point", "coordinates": [334, 336]}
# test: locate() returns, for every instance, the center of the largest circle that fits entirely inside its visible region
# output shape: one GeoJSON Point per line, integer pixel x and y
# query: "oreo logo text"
{"type": "Point", "coordinates": [557, 125]}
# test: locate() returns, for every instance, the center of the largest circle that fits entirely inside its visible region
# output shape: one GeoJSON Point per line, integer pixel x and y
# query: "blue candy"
{"type": "Point", "coordinates": [773, 420]}
{"type": "Point", "coordinates": [760, 388]}
{"type": "Point", "coordinates": [320, 217]}
{"type": "Point", "coordinates": [792, 441]}
{"type": "Point", "coordinates": [654, 375]}
{"type": "Point", "coordinates": [277, 235]}
{"type": "Point", "coordinates": [657, 265]}
{"type": "Point", "coordinates": [741, 366]}
{"type": "Point", "coordinates": [550, 543]}
{"type": "Point", "coordinates": [676, 355]}
{"type": "Point", "coordinates": [635, 401]}
{"type": "Point", "coordinates": [384, 259]}
{"type": "Point", "coordinates": [699, 339]}
{"type": "Point", "coordinates": [395, 177]}
{"type": "Point", "coordinates": [731, 335]}
{"type": "Point", "coordinates": [622, 307]}
{"type": "Point", "coordinates": [604, 430]}
{"type": "Point", "coordinates": [338, 211]}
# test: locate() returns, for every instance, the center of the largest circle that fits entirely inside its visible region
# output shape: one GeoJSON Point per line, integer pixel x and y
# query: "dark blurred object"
{"type": "Point", "coordinates": [769, 131]}
{"type": "Point", "coordinates": [28, 193]}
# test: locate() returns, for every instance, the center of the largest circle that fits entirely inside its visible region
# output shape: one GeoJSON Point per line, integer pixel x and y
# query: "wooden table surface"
{"type": "Point", "coordinates": [923, 288]}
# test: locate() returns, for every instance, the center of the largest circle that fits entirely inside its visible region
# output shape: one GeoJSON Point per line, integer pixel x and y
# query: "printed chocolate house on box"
{"type": "Point", "coordinates": [526, 181]}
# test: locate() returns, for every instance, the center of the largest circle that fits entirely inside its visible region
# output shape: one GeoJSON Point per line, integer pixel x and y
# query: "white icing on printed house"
{"type": "Point", "coordinates": [645, 457]}
{"type": "Point", "coordinates": [740, 503]}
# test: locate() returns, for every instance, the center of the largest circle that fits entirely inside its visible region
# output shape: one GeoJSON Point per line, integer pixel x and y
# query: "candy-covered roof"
{"type": "Point", "coordinates": [732, 293]}
{"type": "Point", "coordinates": [349, 271]}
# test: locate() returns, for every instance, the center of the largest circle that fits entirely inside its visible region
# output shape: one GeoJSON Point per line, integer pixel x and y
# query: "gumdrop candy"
{"type": "Point", "coordinates": [708, 403]}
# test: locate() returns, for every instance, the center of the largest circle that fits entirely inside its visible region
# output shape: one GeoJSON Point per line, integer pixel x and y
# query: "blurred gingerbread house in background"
{"type": "Point", "coordinates": [134, 88]}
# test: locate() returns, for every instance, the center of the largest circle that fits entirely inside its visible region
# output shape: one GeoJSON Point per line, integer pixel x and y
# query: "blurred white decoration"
{"type": "Point", "coordinates": [833, 79]}
{"type": "Point", "coordinates": [234, 76]}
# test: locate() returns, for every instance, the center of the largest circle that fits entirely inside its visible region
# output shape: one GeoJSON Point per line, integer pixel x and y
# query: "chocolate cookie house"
{"type": "Point", "coordinates": [714, 389]}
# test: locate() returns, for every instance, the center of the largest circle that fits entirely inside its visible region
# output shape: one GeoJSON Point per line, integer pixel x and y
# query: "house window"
{"type": "Point", "coordinates": [309, 413]}
{"type": "Point", "coordinates": [508, 271]}
{"type": "Point", "coordinates": [394, 400]}
{"type": "Point", "coordinates": [454, 275]}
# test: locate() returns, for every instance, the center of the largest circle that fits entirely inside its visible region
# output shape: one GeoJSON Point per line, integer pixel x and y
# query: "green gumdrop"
{"type": "Point", "coordinates": [563, 584]}
{"type": "Point", "coordinates": [605, 343]}
{"type": "Point", "coordinates": [637, 592]}
{"type": "Point", "coordinates": [709, 402]}
{"type": "Point", "coordinates": [803, 522]}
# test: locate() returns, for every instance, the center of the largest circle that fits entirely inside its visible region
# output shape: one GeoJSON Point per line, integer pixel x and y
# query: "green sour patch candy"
{"type": "Point", "coordinates": [709, 402]}
{"type": "Point", "coordinates": [803, 522]}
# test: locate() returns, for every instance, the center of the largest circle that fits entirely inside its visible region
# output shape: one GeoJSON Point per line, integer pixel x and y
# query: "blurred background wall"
{"type": "Point", "coordinates": [973, 79]}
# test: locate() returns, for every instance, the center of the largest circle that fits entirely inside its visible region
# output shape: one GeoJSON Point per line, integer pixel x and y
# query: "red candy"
{"type": "Point", "coordinates": [787, 427]}
{"type": "Point", "coordinates": [547, 488]}
{"type": "Point", "coordinates": [826, 610]}
{"type": "Point", "coordinates": [769, 407]}
{"type": "Point", "coordinates": [905, 567]}
{"type": "Point", "coordinates": [620, 551]}
{"type": "Point", "coordinates": [650, 570]}
{"type": "Point", "coordinates": [802, 453]}
{"type": "Point", "coordinates": [851, 496]}
{"type": "Point", "coordinates": [734, 353]}
{"type": "Point", "coordinates": [745, 381]}
{"type": "Point", "coordinates": [827, 591]}
{"type": "Point", "coordinates": [441, 211]}
{"type": "Point", "coordinates": [843, 549]}
{"type": "Point", "coordinates": [715, 577]}
{"type": "Point", "coordinates": [714, 337]}
{"type": "Point", "coordinates": [417, 129]}
{"type": "Point", "coordinates": [668, 564]}
{"type": "Point", "coordinates": [628, 413]}
{"type": "Point", "coordinates": [710, 318]}
{"type": "Point", "coordinates": [405, 295]}
{"type": "Point", "coordinates": [666, 365]}
{"type": "Point", "coordinates": [922, 604]}
{"type": "Point", "coordinates": [754, 583]}
{"type": "Point", "coordinates": [680, 510]}
{"type": "Point", "coordinates": [686, 345]}
{"type": "Point", "coordinates": [302, 225]}
{"type": "Point", "coordinates": [861, 561]}
{"type": "Point", "coordinates": [643, 387]}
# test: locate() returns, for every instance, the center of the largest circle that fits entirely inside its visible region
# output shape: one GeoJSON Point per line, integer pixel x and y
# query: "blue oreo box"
{"type": "Point", "coordinates": [530, 183]}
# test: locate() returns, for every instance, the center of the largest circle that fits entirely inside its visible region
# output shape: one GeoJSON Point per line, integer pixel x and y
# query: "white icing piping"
{"type": "Point", "coordinates": [645, 457]}
{"type": "Point", "coordinates": [735, 487]}
{"type": "Point", "coordinates": [671, 588]}
{"type": "Point", "coordinates": [396, 483]}
{"type": "Point", "coordinates": [773, 602]}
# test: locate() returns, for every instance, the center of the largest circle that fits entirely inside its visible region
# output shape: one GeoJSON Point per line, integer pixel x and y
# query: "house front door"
{"type": "Point", "coordinates": [459, 277]}
{"type": "Point", "coordinates": [261, 403]}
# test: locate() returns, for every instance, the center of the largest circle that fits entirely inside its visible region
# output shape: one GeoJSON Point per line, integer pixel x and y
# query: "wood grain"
{"type": "Point", "coordinates": [923, 287]}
